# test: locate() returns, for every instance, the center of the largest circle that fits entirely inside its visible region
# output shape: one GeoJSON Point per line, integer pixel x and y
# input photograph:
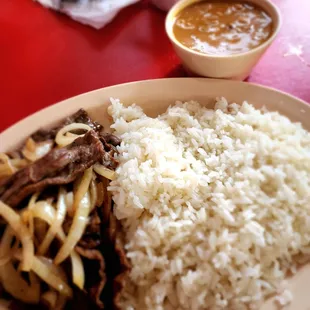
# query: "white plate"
{"type": "Point", "coordinates": [154, 96]}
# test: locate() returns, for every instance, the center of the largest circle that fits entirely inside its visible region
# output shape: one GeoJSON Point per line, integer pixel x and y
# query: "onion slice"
{"type": "Point", "coordinates": [80, 219]}
{"type": "Point", "coordinates": [56, 225]}
{"type": "Point", "coordinates": [46, 212]}
{"type": "Point", "coordinates": [82, 187]}
{"type": "Point", "coordinates": [100, 194]}
{"type": "Point", "coordinates": [19, 163]}
{"type": "Point", "coordinates": [50, 274]}
{"type": "Point", "coordinates": [104, 171]}
{"type": "Point", "coordinates": [6, 167]}
{"type": "Point", "coordinates": [15, 221]}
{"type": "Point", "coordinates": [15, 285]}
{"type": "Point", "coordinates": [62, 139]}
{"type": "Point", "coordinates": [6, 241]}
{"type": "Point", "coordinates": [76, 230]}
{"type": "Point", "coordinates": [49, 298]}
{"type": "Point", "coordinates": [31, 203]}
{"type": "Point", "coordinates": [78, 275]}
{"type": "Point", "coordinates": [93, 194]}
{"type": "Point", "coordinates": [35, 150]}
{"type": "Point", "coordinates": [4, 259]}
{"type": "Point", "coordinates": [6, 251]}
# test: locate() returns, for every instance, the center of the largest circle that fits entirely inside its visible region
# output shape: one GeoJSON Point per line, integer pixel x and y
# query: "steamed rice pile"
{"type": "Point", "coordinates": [215, 204]}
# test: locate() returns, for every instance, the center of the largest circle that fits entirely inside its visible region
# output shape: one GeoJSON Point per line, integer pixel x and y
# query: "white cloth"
{"type": "Point", "coordinates": [96, 13]}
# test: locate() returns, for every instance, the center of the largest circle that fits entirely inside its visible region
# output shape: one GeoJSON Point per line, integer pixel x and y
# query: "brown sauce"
{"type": "Point", "coordinates": [222, 28]}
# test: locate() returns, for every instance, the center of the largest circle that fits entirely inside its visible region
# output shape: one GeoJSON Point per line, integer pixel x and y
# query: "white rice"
{"type": "Point", "coordinates": [215, 204]}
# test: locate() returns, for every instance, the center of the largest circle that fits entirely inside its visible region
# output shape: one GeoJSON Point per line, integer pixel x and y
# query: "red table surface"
{"type": "Point", "coordinates": [46, 57]}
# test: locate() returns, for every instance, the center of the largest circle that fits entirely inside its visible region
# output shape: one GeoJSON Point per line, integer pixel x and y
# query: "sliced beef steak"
{"type": "Point", "coordinates": [59, 166]}
{"type": "Point", "coordinates": [80, 116]}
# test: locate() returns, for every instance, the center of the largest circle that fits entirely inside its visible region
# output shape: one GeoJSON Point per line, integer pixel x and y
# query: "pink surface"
{"type": "Point", "coordinates": [45, 57]}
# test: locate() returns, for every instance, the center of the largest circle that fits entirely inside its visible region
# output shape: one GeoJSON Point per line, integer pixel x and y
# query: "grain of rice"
{"type": "Point", "coordinates": [215, 204]}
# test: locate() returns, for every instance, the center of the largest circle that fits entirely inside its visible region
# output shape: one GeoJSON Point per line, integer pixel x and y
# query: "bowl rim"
{"type": "Point", "coordinates": [178, 6]}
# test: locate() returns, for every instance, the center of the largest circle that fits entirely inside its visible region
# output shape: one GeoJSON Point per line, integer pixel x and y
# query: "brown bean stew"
{"type": "Point", "coordinates": [222, 28]}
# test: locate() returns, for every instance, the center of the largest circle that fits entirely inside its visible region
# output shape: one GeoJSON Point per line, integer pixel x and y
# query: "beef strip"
{"type": "Point", "coordinates": [3, 181]}
{"type": "Point", "coordinates": [110, 142]}
{"type": "Point", "coordinates": [102, 236]}
{"type": "Point", "coordinates": [90, 248]}
{"type": "Point", "coordinates": [80, 116]}
{"type": "Point", "coordinates": [110, 139]}
{"type": "Point", "coordinates": [95, 279]}
{"type": "Point", "coordinates": [80, 301]}
{"type": "Point", "coordinates": [124, 267]}
{"type": "Point", "coordinates": [101, 246]}
{"type": "Point", "coordinates": [117, 264]}
{"type": "Point", "coordinates": [92, 236]}
{"type": "Point", "coordinates": [59, 166]}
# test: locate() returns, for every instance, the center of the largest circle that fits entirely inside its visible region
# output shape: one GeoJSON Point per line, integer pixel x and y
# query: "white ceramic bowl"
{"type": "Point", "coordinates": [236, 66]}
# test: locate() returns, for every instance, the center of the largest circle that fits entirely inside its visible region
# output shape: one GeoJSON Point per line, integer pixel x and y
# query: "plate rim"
{"type": "Point", "coordinates": [7, 131]}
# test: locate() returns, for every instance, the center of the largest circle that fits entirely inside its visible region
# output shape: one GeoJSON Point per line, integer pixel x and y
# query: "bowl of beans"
{"type": "Point", "coordinates": [222, 39]}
